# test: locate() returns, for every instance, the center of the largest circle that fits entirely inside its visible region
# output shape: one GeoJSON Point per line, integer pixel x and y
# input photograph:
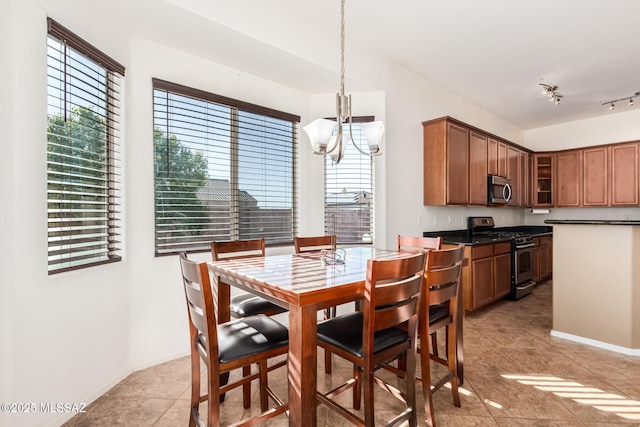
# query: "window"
{"type": "Point", "coordinates": [83, 152]}
{"type": "Point", "coordinates": [224, 170]}
{"type": "Point", "coordinates": [348, 192]}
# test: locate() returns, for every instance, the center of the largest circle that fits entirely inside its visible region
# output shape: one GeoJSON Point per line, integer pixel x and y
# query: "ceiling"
{"type": "Point", "coordinates": [494, 53]}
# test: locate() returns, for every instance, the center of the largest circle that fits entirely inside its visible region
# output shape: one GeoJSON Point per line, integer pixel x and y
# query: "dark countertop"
{"type": "Point", "coordinates": [462, 236]}
{"type": "Point", "coordinates": [593, 221]}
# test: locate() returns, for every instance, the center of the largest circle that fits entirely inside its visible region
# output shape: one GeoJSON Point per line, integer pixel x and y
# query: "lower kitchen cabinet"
{"type": "Point", "coordinates": [487, 277]}
{"type": "Point", "coordinates": [542, 258]}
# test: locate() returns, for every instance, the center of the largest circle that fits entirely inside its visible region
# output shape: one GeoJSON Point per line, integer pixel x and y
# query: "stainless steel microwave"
{"type": "Point", "coordinates": [498, 189]}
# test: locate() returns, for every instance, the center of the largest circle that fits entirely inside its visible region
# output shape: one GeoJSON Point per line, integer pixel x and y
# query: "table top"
{"type": "Point", "coordinates": [303, 279]}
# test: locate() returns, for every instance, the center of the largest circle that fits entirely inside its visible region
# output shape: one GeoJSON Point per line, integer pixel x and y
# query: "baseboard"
{"type": "Point", "coordinates": [595, 343]}
{"type": "Point", "coordinates": [153, 362]}
{"type": "Point", "coordinates": [62, 417]}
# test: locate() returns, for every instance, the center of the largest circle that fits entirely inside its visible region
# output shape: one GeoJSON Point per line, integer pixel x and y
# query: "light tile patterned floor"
{"type": "Point", "coordinates": [516, 374]}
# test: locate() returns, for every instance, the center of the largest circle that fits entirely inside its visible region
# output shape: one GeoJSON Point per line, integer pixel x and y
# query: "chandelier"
{"type": "Point", "coordinates": [327, 136]}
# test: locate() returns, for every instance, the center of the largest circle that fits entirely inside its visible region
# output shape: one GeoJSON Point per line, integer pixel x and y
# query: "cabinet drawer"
{"type": "Point", "coordinates": [502, 248]}
{"type": "Point", "coordinates": [483, 251]}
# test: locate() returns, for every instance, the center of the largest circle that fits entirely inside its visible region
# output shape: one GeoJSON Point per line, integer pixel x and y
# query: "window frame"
{"type": "Point", "coordinates": [246, 107]}
{"type": "Point", "coordinates": [110, 168]}
{"type": "Point", "coordinates": [329, 228]}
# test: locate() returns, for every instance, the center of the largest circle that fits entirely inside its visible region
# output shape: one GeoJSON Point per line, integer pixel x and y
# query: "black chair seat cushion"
{"type": "Point", "coordinates": [437, 312]}
{"type": "Point", "coordinates": [345, 332]}
{"type": "Point", "coordinates": [249, 336]}
{"type": "Point", "coordinates": [250, 305]}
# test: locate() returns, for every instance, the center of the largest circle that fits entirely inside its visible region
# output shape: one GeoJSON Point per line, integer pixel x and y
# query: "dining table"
{"type": "Point", "coordinates": [303, 284]}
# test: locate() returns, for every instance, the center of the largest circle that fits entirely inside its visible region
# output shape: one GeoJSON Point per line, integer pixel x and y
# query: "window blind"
{"type": "Point", "coordinates": [84, 89]}
{"type": "Point", "coordinates": [349, 192]}
{"type": "Point", "coordinates": [224, 170]}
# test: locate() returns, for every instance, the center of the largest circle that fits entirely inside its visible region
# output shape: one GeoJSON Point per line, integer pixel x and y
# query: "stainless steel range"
{"type": "Point", "coordinates": [522, 282]}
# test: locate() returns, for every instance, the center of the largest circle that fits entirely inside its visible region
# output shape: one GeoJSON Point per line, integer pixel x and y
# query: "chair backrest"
{"type": "Point", "coordinates": [316, 243]}
{"type": "Point", "coordinates": [197, 289]}
{"type": "Point", "coordinates": [392, 295]}
{"type": "Point", "coordinates": [237, 249]}
{"type": "Point", "coordinates": [417, 243]}
{"type": "Point", "coordinates": [442, 275]}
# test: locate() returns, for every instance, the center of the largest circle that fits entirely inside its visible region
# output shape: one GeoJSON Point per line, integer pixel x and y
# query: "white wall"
{"type": "Point", "coordinates": [157, 323]}
{"type": "Point", "coordinates": [611, 128]}
{"type": "Point", "coordinates": [69, 338]}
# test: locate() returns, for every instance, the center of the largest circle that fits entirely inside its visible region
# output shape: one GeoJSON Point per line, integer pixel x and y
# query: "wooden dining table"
{"type": "Point", "coordinates": [303, 284]}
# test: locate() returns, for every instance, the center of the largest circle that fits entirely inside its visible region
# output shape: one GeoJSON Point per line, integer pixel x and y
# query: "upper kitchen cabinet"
{"type": "Point", "coordinates": [492, 156]}
{"type": "Point", "coordinates": [513, 173]}
{"type": "Point", "coordinates": [624, 174]}
{"type": "Point", "coordinates": [478, 168]}
{"type": "Point", "coordinates": [543, 180]}
{"type": "Point", "coordinates": [569, 179]}
{"type": "Point", "coordinates": [595, 172]}
{"type": "Point", "coordinates": [446, 163]}
{"type": "Point", "coordinates": [503, 156]}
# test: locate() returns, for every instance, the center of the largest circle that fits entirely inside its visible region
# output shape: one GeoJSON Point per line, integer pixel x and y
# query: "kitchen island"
{"type": "Point", "coordinates": [596, 283]}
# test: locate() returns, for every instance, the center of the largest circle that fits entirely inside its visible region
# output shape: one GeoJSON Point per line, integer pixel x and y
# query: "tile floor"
{"type": "Point", "coordinates": [516, 374]}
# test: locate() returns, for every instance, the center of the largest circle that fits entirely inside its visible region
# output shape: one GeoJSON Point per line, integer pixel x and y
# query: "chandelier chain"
{"type": "Point", "coordinates": [342, 48]}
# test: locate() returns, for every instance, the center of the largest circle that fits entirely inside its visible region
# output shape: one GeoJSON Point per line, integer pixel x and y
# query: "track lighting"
{"type": "Point", "coordinates": [551, 91]}
{"type": "Point", "coordinates": [612, 103]}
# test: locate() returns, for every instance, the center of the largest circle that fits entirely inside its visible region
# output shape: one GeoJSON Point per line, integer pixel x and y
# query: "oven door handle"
{"type": "Point", "coordinates": [528, 245]}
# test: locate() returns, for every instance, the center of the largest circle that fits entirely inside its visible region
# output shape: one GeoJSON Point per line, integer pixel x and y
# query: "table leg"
{"type": "Point", "coordinates": [302, 365]}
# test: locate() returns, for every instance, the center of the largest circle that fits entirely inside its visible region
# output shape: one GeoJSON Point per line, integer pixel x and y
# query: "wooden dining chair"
{"type": "Point", "coordinates": [439, 310]}
{"type": "Point", "coordinates": [383, 330]}
{"type": "Point", "coordinates": [417, 243]}
{"type": "Point", "coordinates": [316, 244]}
{"type": "Point", "coordinates": [245, 304]}
{"type": "Point", "coordinates": [228, 346]}
{"type": "Point", "coordinates": [420, 243]}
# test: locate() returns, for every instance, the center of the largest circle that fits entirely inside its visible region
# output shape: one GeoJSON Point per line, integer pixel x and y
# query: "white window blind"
{"type": "Point", "coordinates": [83, 152]}
{"type": "Point", "coordinates": [349, 192]}
{"type": "Point", "coordinates": [224, 170]}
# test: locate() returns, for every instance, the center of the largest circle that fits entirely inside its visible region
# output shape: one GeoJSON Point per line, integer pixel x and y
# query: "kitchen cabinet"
{"type": "Point", "coordinates": [569, 179]}
{"type": "Point", "coordinates": [543, 164]}
{"type": "Point", "coordinates": [478, 168]}
{"type": "Point", "coordinates": [501, 270]}
{"type": "Point", "coordinates": [487, 278]}
{"type": "Point", "coordinates": [446, 163]}
{"type": "Point", "coordinates": [525, 178]}
{"type": "Point", "coordinates": [624, 174]}
{"type": "Point", "coordinates": [502, 158]}
{"type": "Point", "coordinates": [492, 156]}
{"type": "Point", "coordinates": [513, 173]}
{"type": "Point", "coordinates": [595, 182]}
{"type": "Point", "coordinates": [545, 265]}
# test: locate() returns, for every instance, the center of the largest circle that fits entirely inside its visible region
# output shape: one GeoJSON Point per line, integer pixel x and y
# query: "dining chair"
{"type": "Point", "coordinates": [316, 244]}
{"type": "Point", "coordinates": [245, 304]}
{"type": "Point", "coordinates": [226, 347]}
{"type": "Point", "coordinates": [384, 329]}
{"type": "Point", "coordinates": [419, 243]}
{"type": "Point", "coordinates": [439, 310]}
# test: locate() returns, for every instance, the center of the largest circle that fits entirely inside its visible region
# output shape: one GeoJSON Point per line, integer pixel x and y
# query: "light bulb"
{"type": "Point", "coordinates": [630, 102]}
{"type": "Point", "coordinates": [557, 100]}
{"type": "Point", "coordinates": [612, 107]}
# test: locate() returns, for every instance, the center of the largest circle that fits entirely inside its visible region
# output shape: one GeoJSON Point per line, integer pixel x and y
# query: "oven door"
{"type": "Point", "coordinates": [523, 264]}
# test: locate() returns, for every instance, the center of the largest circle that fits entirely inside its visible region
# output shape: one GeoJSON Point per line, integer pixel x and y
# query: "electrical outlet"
{"type": "Point", "coordinates": [450, 219]}
{"type": "Point", "coordinates": [435, 220]}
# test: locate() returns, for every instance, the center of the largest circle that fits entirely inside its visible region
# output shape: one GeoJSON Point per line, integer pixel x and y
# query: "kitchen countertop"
{"type": "Point", "coordinates": [594, 221]}
{"type": "Point", "coordinates": [463, 236]}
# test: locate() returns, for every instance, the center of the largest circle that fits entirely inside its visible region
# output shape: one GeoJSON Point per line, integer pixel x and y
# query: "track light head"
{"type": "Point", "coordinates": [630, 102]}
{"type": "Point", "coordinates": [612, 107]}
